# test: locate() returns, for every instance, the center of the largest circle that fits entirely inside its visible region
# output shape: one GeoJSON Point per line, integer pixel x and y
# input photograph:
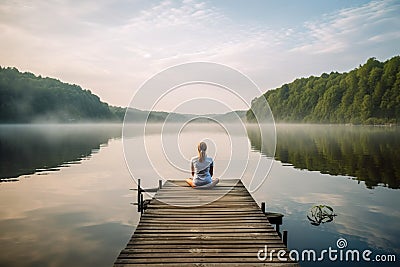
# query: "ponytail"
{"type": "Point", "coordinates": [202, 147]}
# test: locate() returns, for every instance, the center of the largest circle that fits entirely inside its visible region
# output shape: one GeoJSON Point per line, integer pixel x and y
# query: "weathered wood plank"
{"type": "Point", "coordinates": [210, 264]}
{"type": "Point", "coordinates": [166, 246]}
{"type": "Point", "coordinates": [199, 242]}
{"type": "Point", "coordinates": [187, 249]}
{"type": "Point", "coordinates": [194, 257]}
{"type": "Point", "coordinates": [200, 259]}
{"type": "Point", "coordinates": [203, 231]}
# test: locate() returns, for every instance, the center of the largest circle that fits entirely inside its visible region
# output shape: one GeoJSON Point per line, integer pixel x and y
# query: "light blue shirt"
{"type": "Point", "coordinates": [202, 174]}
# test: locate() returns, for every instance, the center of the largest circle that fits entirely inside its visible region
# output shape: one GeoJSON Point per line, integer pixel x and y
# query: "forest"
{"type": "Point", "coordinates": [26, 98]}
{"type": "Point", "coordinates": [369, 94]}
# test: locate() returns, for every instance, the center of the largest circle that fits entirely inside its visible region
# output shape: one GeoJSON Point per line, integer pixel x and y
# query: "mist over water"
{"type": "Point", "coordinates": [29, 148]}
{"type": "Point", "coordinates": [71, 203]}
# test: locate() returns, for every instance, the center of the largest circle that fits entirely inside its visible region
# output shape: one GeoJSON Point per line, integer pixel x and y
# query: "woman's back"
{"type": "Point", "coordinates": [202, 168]}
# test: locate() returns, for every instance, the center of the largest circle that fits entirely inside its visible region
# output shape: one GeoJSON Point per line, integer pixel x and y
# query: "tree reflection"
{"type": "Point", "coordinates": [26, 149]}
{"type": "Point", "coordinates": [369, 154]}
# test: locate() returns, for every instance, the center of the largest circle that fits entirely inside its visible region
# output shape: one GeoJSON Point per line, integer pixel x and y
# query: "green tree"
{"type": "Point", "coordinates": [368, 94]}
{"type": "Point", "coordinates": [26, 98]}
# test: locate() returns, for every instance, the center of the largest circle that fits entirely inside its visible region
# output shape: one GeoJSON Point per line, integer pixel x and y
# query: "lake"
{"type": "Point", "coordinates": [65, 198]}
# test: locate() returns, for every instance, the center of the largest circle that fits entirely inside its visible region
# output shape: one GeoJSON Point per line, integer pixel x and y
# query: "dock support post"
{"type": "Point", "coordinates": [263, 207]}
{"type": "Point", "coordinates": [284, 237]}
{"type": "Point", "coordinates": [139, 193]}
{"type": "Point", "coordinates": [273, 217]}
{"type": "Point", "coordinates": [141, 203]}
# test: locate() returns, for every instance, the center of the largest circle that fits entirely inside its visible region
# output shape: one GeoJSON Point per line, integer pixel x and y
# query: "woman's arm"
{"type": "Point", "coordinates": [192, 167]}
{"type": "Point", "coordinates": [212, 169]}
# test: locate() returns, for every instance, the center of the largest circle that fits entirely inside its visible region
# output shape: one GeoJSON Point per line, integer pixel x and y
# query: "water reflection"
{"type": "Point", "coordinates": [369, 154]}
{"type": "Point", "coordinates": [26, 149]}
{"type": "Point", "coordinates": [79, 216]}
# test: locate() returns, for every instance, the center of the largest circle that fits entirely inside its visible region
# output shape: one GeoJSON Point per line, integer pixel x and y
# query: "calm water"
{"type": "Point", "coordinates": [65, 198]}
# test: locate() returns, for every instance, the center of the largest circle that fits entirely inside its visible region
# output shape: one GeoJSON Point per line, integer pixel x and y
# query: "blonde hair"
{"type": "Point", "coordinates": [201, 148]}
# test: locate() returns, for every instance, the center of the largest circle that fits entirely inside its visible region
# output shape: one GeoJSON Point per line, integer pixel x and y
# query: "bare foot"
{"type": "Point", "coordinates": [190, 182]}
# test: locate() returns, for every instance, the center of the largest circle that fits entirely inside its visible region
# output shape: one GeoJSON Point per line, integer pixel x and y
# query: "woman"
{"type": "Point", "coordinates": [202, 168]}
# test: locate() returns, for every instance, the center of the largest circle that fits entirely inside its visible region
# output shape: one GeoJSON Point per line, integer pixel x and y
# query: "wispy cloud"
{"type": "Point", "coordinates": [376, 21]}
{"type": "Point", "coordinates": [111, 47]}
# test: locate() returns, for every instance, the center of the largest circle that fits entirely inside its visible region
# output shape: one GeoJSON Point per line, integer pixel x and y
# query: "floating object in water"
{"type": "Point", "coordinates": [320, 214]}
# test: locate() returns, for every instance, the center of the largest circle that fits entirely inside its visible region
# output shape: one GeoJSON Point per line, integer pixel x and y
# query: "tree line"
{"type": "Point", "coordinates": [369, 94]}
{"type": "Point", "coordinates": [26, 98]}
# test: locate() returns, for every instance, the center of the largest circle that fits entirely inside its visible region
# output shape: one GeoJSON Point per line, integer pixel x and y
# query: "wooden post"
{"type": "Point", "coordinates": [284, 238]}
{"type": "Point", "coordinates": [139, 193]}
{"type": "Point", "coordinates": [159, 184]}
{"type": "Point", "coordinates": [141, 203]}
{"type": "Point", "coordinates": [263, 207]}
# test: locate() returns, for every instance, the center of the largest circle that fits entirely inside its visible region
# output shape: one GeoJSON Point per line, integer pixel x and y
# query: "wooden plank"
{"type": "Point", "coordinates": [149, 246]}
{"type": "Point", "coordinates": [194, 242]}
{"type": "Point", "coordinates": [204, 244]}
{"type": "Point", "coordinates": [203, 231]}
{"type": "Point", "coordinates": [204, 216]}
{"type": "Point", "coordinates": [209, 259]}
{"type": "Point", "coordinates": [187, 249]}
{"type": "Point", "coordinates": [197, 257]}
{"type": "Point", "coordinates": [231, 264]}
{"type": "Point", "coordinates": [200, 228]}
{"type": "Point", "coordinates": [188, 227]}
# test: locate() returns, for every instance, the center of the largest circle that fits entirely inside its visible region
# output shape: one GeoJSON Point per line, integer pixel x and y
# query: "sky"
{"type": "Point", "coordinates": [112, 47]}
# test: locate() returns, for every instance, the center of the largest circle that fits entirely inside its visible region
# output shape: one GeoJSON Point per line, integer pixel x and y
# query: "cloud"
{"type": "Point", "coordinates": [333, 200]}
{"type": "Point", "coordinates": [377, 21]}
{"type": "Point", "coordinates": [79, 47]}
{"type": "Point", "coordinates": [113, 47]}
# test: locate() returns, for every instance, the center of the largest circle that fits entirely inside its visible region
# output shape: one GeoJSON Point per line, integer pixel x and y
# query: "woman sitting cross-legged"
{"type": "Point", "coordinates": [202, 169]}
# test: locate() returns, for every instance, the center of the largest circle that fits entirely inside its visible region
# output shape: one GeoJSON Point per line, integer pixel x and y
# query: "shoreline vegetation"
{"type": "Point", "coordinates": [367, 95]}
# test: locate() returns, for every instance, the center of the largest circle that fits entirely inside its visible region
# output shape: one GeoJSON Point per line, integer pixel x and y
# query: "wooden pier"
{"type": "Point", "coordinates": [229, 231]}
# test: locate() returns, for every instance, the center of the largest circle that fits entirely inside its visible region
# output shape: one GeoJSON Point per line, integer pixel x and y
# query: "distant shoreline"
{"type": "Point", "coordinates": [201, 122]}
